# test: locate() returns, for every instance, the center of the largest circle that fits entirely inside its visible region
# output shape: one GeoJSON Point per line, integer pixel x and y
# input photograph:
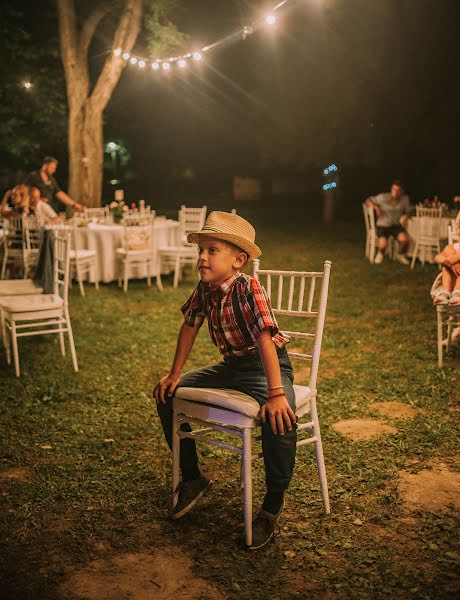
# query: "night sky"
{"type": "Point", "coordinates": [370, 85]}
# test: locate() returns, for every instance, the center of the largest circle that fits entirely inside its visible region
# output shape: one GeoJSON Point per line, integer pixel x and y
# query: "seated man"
{"type": "Point", "coordinates": [392, 209]}
{"type": "Point", "coordinates": [41, 209]}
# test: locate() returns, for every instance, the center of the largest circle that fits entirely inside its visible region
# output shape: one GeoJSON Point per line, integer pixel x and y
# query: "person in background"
{"type": "Point", "coordinates": [49, 188]}
{"type": "Point", "coordinates": [392, 209]}
{"type": "Point", "coordinates": [41, 209]}
{"type": "Point", "coordinates": [15, 202]}
{"type": "Point", "coordinates": [449, 261]}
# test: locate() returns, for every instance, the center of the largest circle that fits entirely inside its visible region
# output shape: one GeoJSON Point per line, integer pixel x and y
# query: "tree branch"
{"type": "Point", "coordinates": [125, 37]}
{"type": "Point", "coordinates": [90, 26]}
{"type": "Point", "coordinates": [67, 34]}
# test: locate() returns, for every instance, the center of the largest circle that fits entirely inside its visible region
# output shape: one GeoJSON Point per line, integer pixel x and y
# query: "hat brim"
{"type": "Point", "coordinates": [252, 250]}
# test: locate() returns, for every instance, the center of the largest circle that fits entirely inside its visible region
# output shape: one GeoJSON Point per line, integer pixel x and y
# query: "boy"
{"type": "Point", "coordinates": [255, 361]}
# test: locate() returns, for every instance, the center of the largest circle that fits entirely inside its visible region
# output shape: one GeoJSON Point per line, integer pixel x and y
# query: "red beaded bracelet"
{"type": "Point", "coordinates": [276, 395]}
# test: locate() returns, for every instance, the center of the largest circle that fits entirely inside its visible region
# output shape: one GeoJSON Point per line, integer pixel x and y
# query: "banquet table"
{"type": "Point", "coordinates": [105, 239]}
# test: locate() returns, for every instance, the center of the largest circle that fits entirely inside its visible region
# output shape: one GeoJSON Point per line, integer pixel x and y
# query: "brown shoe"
{"type": "Point", "coordinates": [189, 494]}
{"type": "Point", "coordinates": [264, 528]}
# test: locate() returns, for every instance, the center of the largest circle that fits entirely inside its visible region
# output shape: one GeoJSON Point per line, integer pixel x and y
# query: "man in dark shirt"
{"type": "Point", "coordinates": [49, 188]}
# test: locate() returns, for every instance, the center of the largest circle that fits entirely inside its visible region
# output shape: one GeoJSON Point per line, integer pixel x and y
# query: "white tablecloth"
{"type": "Point", "coordinates": [105, 239]}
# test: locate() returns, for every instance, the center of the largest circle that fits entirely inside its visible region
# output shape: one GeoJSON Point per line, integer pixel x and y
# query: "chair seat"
{"type": "Point", "coordinates": [15, 287]}
{"type": "Point", "coordinates": [186, 250]}
{"type": "Point", "coordinates": [238, 401]}
{"type": "Point", "coordinates": [33, 302]}
{"type": "Point", "coordinates": [123, 252]}
{"type": "Point", "coordinates": [82, 254]}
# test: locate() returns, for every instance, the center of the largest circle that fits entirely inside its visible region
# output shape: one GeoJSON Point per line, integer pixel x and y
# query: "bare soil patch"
{"type": "Point", "coordinates": [20, 474]}
{"type": "Point", "coordinates": [363, 429]}
{"type": "Point", "coordinates": [395, 410]}
{"type": "Point", "coordinates": [165, 575]}
{"type": "Point", "coordinates": [436, 489]}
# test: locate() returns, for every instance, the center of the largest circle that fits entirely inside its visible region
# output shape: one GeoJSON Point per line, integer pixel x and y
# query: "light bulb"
{"type": "Point", "coordinates": [133, 60]}
{"type": "Point", "coordinates": [117, 51]}
{"type": "Point", "coordinates": [126, 55]}
{"type": "Point", "coordinates": [270, 19]}
{"type": "Point", "coordinates": [182, 63]}
{"type": "Point", "coordinates": [197, 56]}
{"type": "Point", "coordinates": [141, 64]}
{"type": "Point", "coordinates": [155, 66]}
{"type": "Point", "coordinates": [166, 66]}
{"type": "Point", "coordinates": [27, 85]}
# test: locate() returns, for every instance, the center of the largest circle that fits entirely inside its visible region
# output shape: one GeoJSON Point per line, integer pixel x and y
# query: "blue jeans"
{"type": "Point", "coordinates": [244, 374]}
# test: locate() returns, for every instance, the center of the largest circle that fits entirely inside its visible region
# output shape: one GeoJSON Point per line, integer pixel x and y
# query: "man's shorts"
{"type": "Point", "coordinates": [387, 231]}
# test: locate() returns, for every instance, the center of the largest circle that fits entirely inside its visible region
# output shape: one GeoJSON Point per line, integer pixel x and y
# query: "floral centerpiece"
{"type": "Point", "coordinates": [117, 209]}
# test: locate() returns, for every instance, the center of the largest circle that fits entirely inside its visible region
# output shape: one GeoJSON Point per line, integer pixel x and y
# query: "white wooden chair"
{"type": "Point", "coordinates": [453, 236]}
{"type": "Point", "coordinates": [447, 318]}
{"type": "Point", "coordinates": [40, 314]}
{"type": "Point", "coordinates": [14, 243]}
{"type": "Point", "coordinates": [102, 212]}
{"type": "Point", "coordinates": [424, 211]}
{"type": "Point", "coordinates": [427, 236]}
{"type": "Point", "coordinates": [137, 251]}
{"type": "Point", "coordinates": [371, 236]}
{"type": "Point", "coordinates": [31, 233]}
{"type": "Point", "coordinates": [190, 219]}
{"type": "Point", "coordinates": [233, 412]}
{"type": "Point", "coordinates": [82, 261]}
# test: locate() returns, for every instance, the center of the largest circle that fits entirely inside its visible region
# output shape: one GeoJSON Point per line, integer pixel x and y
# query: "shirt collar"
{"type": "Point", "coordinates": [224, 286]}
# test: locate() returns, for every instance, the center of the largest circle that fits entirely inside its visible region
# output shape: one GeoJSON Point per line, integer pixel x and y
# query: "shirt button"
{"type": "Point", "coordinates": [222, 347]}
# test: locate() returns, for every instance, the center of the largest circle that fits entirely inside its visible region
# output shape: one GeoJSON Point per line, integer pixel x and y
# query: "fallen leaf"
{"type": "Point", "coordinates": [289, 553]}
{"type": "Point", "coordinates": [357, 522]}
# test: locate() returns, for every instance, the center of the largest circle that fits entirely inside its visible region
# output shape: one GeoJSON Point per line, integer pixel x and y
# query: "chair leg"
{"type": "Point", "coordinates": [61, 341]}
{"type": "Point", "coordinates": [414, 256]}
{"type": "Point", "coordinates": [440, 350]}
{"type": "Point", "coordinates": [176, 272]}
{"type": "Point", "coordinates": [175, 459]}
{"type": "Point", "coordinates": [80, 279]}
{"type": "Point", "coordinates": [96, 275]}
{"type": "Point", "coordinates": [14, 339]}
{"type": "Point", "coordinates": [125, 276]}
{"type": "Point", "coordinates": [5, 258]}
{"type": "Point", "coordinates": [149, 273]}
{"type": "Point", "coordinates": [247, 478]}
{"type": "Point", "coordinates": [158, 275]}
{"type": "Point", "coordinates": [320, 458]}
{"type": "Point", "coordinates": [6, 341]}
{"type": "Point", "coordinates": [71, 343]}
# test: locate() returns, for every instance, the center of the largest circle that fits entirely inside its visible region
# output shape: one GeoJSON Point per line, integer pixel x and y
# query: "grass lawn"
{"type": "Point", "coordinates": [85, 472]}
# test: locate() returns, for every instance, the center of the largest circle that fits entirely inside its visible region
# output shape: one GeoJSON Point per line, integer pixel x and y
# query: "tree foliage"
{"type": "Point", "coordinates": [32, 122]}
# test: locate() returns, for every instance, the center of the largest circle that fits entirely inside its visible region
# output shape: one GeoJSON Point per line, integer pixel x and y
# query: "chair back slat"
{"type": "Point", "coordinates": [190, 220]}
{"type": "Point", "coordinates": [286, 307]}
{"type": "Point", "coordinates": [291, 292]}
{"type": "Point", "coordinates": [423, 211]}
{"type": "Point", "coordinates": [62, 263]}
{"type": "Point", "coordinates": [280, 292]}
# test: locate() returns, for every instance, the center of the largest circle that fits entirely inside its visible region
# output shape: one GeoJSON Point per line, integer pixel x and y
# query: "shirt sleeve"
{"type": "Point", "coordinates": [48, 210]}
{"type": "Point", "coordinates": [193, 309]}
{"type": "Point", "coordinates": [258, 311]}
{"type": "Point", "coordinates": [56, 186]}
{"type": "Point", "coordinates": [377, 199]}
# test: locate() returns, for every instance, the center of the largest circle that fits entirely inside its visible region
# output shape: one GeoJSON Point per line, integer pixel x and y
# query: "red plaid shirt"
{"type": "Point", "coordinates": [237, 310]}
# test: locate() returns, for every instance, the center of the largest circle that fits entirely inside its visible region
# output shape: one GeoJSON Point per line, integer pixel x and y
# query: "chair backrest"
{"type": "Point", "coordinates": [61, 271]}
{"type": "Point", "coordinates": [369, 217]}
{"type": "Point", "coordinates": [191, 219]}
{"type": "Point", "coordinates": [302, 297]}
{"type": "Point", "coordinates": [138, 237]}
{"type": "Point", "coordinates": [423, 211]}
{"type": "Point", "coordinates": [428, 229]}
{"type": "Point", "coordinates": [31, 228]}
{"type": "Point", "coordinates": [97, 213]}
{"type": "Point", "coordinates": [453, 235]}
{"type": "Point", "coordinates": [14, 231]}
{"type": "Point", "coordinates": [138, 218]}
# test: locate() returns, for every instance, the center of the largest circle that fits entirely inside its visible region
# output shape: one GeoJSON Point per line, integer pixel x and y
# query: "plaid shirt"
{"type": "Point", "coordinates": [237, 310]}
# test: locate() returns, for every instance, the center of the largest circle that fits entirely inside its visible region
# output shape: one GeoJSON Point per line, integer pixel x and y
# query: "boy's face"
{"type": "Point", "coordinates": [217, 261]}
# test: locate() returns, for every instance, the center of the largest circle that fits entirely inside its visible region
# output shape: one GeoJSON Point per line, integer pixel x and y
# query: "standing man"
{"type": "Point", "coordinates": [392, 209]}
{"type": "Point", "coordinates": [49, 188]}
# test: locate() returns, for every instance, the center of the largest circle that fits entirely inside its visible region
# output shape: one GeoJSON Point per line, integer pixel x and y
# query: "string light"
{"type": "Point", "coordinates": [27, 85]}
{"type": "Point", "coordinates": [181, 61]}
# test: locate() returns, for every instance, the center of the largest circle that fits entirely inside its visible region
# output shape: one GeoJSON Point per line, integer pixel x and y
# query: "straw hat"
{"type": "Point", "coordinates": [230, 228]}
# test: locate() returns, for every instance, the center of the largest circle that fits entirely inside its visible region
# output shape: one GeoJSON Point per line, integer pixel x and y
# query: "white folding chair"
{"type": "Point", "coordinates": [190, 220]}
{"type": "Point", "coordinates": [427, 236]}
{"type": "Point", "coordinates": [14, 243]}
{"type": "Point", "coordinates": [40, 314]}
{"type": "Point", "coordinates": [423, 211]}
{"type": "Point", "coordinates": [82, 261]}
{"type": "Point", "coordinates": [447, 318]}
{"type": "Point", "coordinates": [453, 236]}
{"type": "Point", "coordinates": [31, 232]}
{"type": "Point", "coordinates": [137, 251]}
{"type": "Point", "coordinates": [371, 236]}
{"type": "Point", "coordinates": [102, 212]}
{"type": "Point", "coordinates": [232, 412]}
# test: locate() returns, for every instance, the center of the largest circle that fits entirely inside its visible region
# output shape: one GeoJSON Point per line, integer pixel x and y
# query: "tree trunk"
{"type": "Point", "coordinates": [86, 108]}
{"type": "Point", "coordinates": [86, 155]}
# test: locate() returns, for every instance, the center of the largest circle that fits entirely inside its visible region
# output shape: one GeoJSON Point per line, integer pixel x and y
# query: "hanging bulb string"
{"type": "Point", "coordinates": [182, 61]}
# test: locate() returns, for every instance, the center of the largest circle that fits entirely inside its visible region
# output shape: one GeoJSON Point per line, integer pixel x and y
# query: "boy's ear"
{"type": "Point", "coordinates": [241, 259]}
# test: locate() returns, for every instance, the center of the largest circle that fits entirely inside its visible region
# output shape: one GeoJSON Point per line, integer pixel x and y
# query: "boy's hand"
{"type": "Point", "coordinates": [280, 414]}
{"type": "Point", "coordinates": [166, 384]}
